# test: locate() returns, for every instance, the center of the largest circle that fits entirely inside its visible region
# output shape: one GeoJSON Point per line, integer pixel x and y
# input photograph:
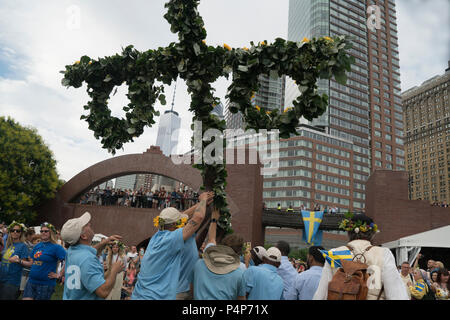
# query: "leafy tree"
{"type": "Point", "coordinates": [27, 172]}
{"type": "Point", "coordinates": [200, 64]}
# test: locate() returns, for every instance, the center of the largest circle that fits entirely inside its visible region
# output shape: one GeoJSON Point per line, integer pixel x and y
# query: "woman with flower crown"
{"type": "Point", "coordinates": [45, 257]}
{"type": "Point", "coordinates": [384, 282]}
{"type": "Point", "coordinates": [116, 252]}
{"type": "Point", "coordinates": [13, 258]}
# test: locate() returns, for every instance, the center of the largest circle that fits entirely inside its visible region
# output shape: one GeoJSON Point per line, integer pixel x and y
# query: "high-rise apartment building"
{"type": "Point", "coordinates": [126, 182]}
{"type": "Point", "coordinates": [427, 139]}
{"type": "Point", "coordinates": [366, 113]}
{"type": "Point", "coordinates": [270, 96]}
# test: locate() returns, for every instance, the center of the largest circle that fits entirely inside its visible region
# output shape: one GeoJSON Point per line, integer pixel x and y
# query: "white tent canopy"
{"type": "Point", "coordinates": [407, 248]}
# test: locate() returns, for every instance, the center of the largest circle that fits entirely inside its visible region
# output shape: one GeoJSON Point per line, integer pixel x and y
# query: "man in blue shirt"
{"type": "Point", "coordinates": [218, 275]}
{"type": "Point", "coordinates": [263, 282]}
{"type": "Point", "coordinates": [188, 259]}
{"type": "Point", "coordinates": [307, 282]}
{"type": "Point", "coordinates": [286, 270]}
{"type": "Point", "coordinates": [160, 268]}
{"type": "Point", "coordinates": [84, 277]}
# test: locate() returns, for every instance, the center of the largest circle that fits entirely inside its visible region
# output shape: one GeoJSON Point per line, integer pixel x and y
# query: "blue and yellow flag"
{"type": "Point", "coordinates": [420, 286]}
{"type": "Point", "coordinates": [311, 234]}
{"type": "Point", "coordinates": [334, 257]}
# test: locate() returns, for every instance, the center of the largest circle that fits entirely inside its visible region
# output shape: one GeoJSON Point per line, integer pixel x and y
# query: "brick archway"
{"type": "Point", "coordinates": [151, 161]}
{"type": "Point", "coordinates": [244, 196]}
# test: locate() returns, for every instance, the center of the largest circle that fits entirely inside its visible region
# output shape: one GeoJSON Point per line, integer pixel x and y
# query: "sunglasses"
{"type": "Point", "coordinates": [16, 230]}
{"type": "Point", "coordinates": [45, 231]}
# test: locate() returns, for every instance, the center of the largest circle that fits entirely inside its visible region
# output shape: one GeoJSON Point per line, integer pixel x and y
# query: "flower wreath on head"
{"type": "Point", "coordinates": [348, 224]}
{"type": "Point", "coordinates": [50, 226]}
{"type": "Point", "coordinates": [120, 244]}
{"type": "Point", "coordinates": [158, 222]}
{"type": "Point", "coordinates": [15, 223]}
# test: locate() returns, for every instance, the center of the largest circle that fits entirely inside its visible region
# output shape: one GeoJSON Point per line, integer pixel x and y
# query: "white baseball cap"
{"type": "Point", "coordinates": [273, 254]}
{"type": "Point", "coordinates": [171, 215]}
{"type": "Point", "coordinates": [71, 230]}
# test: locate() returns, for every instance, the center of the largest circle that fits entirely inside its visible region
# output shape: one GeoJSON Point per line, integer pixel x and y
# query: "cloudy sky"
{"type": "Point", "coordinates": [38, 38]}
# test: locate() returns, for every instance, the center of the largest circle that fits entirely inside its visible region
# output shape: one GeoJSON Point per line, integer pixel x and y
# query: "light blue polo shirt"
{"type": "Point", "coordinates": [304, 285]}
{"type": "Point", "coordinates": [288, 273]}
{"type": "Point", "coordinates": [263, 283]}
{"type": "Point", "coordinates": [189, 257]}
{"type": "Point", "coordinates": [83, 273]}
{"type": "Point", "coordinates": [211, 286]}
{"type": "Point", "coordinates": [160, 267]}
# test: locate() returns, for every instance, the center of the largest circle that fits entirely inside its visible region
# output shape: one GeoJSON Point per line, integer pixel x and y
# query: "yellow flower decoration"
{"type": "Point", "coordinates": [287, 109]}
{"type": "Point", "coordinates": [90, 62]}
{"type": "Point", "coordinates": [263, 43]}
{"type": "Point", "coordinates": [158, 222]}
{"type": "Point", "coordinates": [77, 62]}
{"type": "Point", "coordinates": [181, 223]}
{"type": "Point", "coordinates": [227, 47]}
{"type": "Point", "coordinates": [328, 38]}
{"type": "Point", "coordinates": [258, 108]}
{"type": "Point", "coordinates": [268, 112]}
{"type": "Point", "coordinates": [245, 48]}
{"type": "Point", "coordinates": [305, 39]}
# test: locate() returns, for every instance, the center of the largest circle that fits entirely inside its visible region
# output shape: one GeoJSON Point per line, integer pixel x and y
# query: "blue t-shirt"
{"type": "Point", "coordinates": [211, 286]}
{"type": "Point", "coordinates": [189, 257]}
{"type": "Point", "coordinates": [160, 267]}
{"type": "Point", "coordinates": [263, 283]}
{"type": "Point", "coordinates": [11, 273]}
{"type": "Point", "coordinates": [83, 273]}
{"type": "Point", "coordinates": [45, 257]}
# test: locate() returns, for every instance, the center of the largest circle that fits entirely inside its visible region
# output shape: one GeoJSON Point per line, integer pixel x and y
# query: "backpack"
{"type": "Point", "coordinates": [350, 280]}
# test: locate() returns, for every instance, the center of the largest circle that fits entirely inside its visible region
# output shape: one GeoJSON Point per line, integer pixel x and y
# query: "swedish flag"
{"type": "Point", "coordinates": [311, 234]}
{"type": "Point", "coordinates": [334, 257]}
{"type": "Point", "coordinates": [420, 287]}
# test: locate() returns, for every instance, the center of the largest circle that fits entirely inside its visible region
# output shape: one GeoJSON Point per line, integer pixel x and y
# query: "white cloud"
{"type": "Point", "coordinates": [424, 40]}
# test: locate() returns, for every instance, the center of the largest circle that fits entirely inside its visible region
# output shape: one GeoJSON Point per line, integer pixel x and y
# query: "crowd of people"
{"type": "Point", "coordinates": [315, 207]}
{"type": "Point", "coordinates": [429, 284]}
{"type": "Point", "coordinates": [442, 204]}
{"type": "Point", "coordinates": [179, 264]}
{"type": "Point", "coordinates": [142, 198]}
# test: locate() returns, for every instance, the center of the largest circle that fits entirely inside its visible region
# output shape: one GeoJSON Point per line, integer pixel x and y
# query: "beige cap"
{"type": "Point", "coordinates": [171, 215]}
{"type": "Point", "coordinates": [71, 230]}
{"type": "Point", "coordinates": [260, 252]}
{"type": "Point", "coordinates": [273, 254]}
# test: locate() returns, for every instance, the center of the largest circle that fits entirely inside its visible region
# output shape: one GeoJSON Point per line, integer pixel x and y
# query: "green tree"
{"type": "Point", "coordinates": [27, 172]}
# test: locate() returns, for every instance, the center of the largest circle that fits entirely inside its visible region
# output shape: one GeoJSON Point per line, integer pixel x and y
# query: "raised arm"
{"type": "Point", "coordinates": [197, 217]}
{"type": "Point", "coordinates": [101, 245]}
{"type": "Point", "coordinates": [213, 227]}
{"type": "Point", "coordinates": [189, 212]}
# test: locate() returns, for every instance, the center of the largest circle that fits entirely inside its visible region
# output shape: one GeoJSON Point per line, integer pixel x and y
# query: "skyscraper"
{"type": "Point", "coordinates": [126, 182]}
{"type": "Point", "coordinates": [167, 139]}
{"type": "Point", "coordinates": [270, 96]}
{"type": "Point", "coordinates": [427, 129]}
{"type": "Point", "coordinates": [364, 115]}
